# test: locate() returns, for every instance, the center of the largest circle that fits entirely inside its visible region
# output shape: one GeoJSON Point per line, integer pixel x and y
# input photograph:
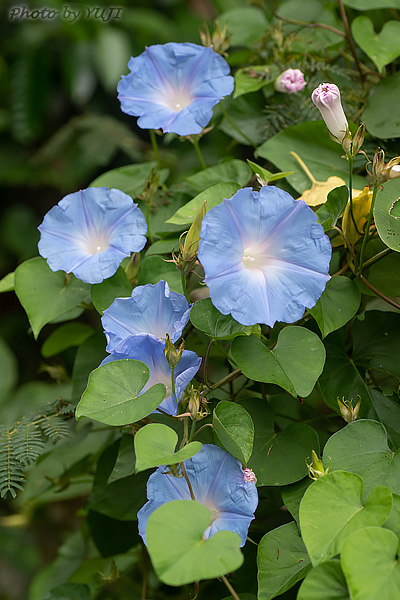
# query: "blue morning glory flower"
{"type": "Point", "coordinates": [90, 232]}
{"type": "Point", "coordinates": [174, 87]}
{"type": "Point", "coordinates": [151, 352]}
{"type": "Point", "coordinates": [264, 256]}
{"type": "Point", "coordinates": [151, 310]}
{"type": "Point", "coordinates": [218, 482]}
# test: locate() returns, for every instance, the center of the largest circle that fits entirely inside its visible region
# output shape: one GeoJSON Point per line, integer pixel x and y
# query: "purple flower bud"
{"type": "Point", "coordinates": [326, 98]}
{"type": "Point", "coordinates": [290, 81]}
{"type": "Point", "coordinates": [249, 476]}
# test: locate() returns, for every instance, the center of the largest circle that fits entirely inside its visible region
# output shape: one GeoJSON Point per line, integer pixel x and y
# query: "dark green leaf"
{"type": "Point", "coordinates": [232, 170]}
{"type": "Point", "coordinates": [214, 195]}
{"type": "Point", "coordinates": [338, 304]}
{"type": "Point", "coordinates": [66, 336]}
{"type": "Point", "coordinates": [386, 214]}
{"type": "Point", "coordinates": [325, 581]}
{"type": "Point", "coordinates": [103, 294]}
{"type": "Point", "coordinates": [382, 113]}
{"type": "Point", "coordinates": [205, 317]}
{"type": "Point", "coordinates": [329, 212]}
{"type": "Point", "coordinates": [234, 429]}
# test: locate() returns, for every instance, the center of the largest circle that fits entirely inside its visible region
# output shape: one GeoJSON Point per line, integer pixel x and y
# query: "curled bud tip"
{"type": "Point", "coordinates": [326, 98]}
{"type": "Point", "coordinates": [249, 476]}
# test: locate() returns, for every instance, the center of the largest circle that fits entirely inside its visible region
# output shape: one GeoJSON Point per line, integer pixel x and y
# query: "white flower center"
{"type": "Point", "coordinates": [254, 258]}
{"type": "Point", "coordinates": [178, 99]}
{"type": "Point", "coordinates": [97, 242]}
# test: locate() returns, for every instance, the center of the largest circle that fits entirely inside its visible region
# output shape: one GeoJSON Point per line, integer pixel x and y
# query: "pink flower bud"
{"type": "Point", "coordinates": [249, 476]}
{"type": "Point", "coordinates": [326, 98]}
{"type": "Point", "coordinates": [290, 81]}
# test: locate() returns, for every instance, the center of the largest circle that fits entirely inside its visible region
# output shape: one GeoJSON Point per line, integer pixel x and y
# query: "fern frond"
{"type": "Point", "coordinates": [28, 443]}
{"type": "Point", "coordinates": [11, 473]}
{"type": "Point", "coordinates": [54, 427]}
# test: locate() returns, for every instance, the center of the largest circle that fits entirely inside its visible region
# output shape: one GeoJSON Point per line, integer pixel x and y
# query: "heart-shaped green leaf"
{"type": "Point", "coordinates": [214, 195]}
{"type": "Point", "coordinates": [177, 549]}
{"type": "Point", "coordinates": [338, 304]}
{"type": "Point", "coordinates": [234, 429]}
{"type": "Point", "coordinates": [382, 48]}
{"type": "Point", "coordinates": [339, 493]}
{"type": "Point", "coordinates": [232, 170]}
{"type": "Point", "coordinates": [325, 581]}
{"type": "Point", "coordinates": [361, 447]}
{"type": "Point", "coordinates": [370, 563]}
{"type": "Point", "coordinates": [112, 394]}
{"type": "Point", "coordinates": [282, 560]}
{"type": "Point", "coordinates": [387, 214]}
{"type": "Point", "coordinates": [155, 445]}
{"type": "Point", "coordinates": [45, 294]}
{"type": "Point", "coordinates": [295, 363]}
{"type": "Point", "coordinates": [382, 113]}
{"type": "Point", "coordinates": [205, 317]}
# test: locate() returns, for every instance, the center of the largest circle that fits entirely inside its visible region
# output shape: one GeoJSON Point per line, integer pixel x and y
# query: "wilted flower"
{"type": "Point", "coordinates": [290, 81]}
{"type": "Point", "coordinates": [90, 232]}
{"type": "Point", "coordinates": [151, 352]}
{"type": "Point", "coordinates": [174, 87]}
{"type": "Point", "coordinates": [218, 482]}
{"type": "Point", "coordinates": [151, 310]}
{"type": "Point", "coordinates": [326, 98]}
{"type": "Point", "coordinates": [265, 258]}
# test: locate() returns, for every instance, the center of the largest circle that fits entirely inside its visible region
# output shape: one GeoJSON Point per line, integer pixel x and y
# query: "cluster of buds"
{"type": "Point", "coordinates": [196, 404]}
{"type": "Point", "coordinates": [382, 172]}
{"type": "Point", "coordinates": [187, 257]}
{"type": "Point", "coordinates": [326, 98]}
{"type": "Point", "coordinates": [316, 468]}
{"type": "Point", "coordinates": [220, 39]}
{"type": "Point", "coordinates": [290, 81]}
{"type": "Point", "coordinates": [348, 412]}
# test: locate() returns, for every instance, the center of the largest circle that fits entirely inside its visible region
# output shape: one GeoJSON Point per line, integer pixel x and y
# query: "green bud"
{"type": "Point", "coordinates": [172, 355]}
{"type": "Point", "coordinates": [132, 268]}
{"type": "Point", "coordinates": [358, 139]}
{"type": "Point", "coordinates": [378, 165]}
{"type": "Point", "coordinates": [191, 244]}
{"type": "Point", "coordinates": [316, 468]}
{"type": "Point", "coordinates": [348, 412]}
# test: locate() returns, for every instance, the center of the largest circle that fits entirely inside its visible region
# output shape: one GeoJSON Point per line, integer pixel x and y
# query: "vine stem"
{"type": "Point", "coordinates": [377, 292]}
{"type": "Point", "coordinates": [366, 233]}
{"type": "Point", "coordinates": [222, 381]}
{"type": "Point", "coordinates": [155, 147]}
{"type": "Point", "coordinates": [230, 588]}
{"type": "Point", "coordinates": [151, 239]}
{"type": "Point", "coordinates": [173, 386]}
{"type": "Point", "coordinates": [350, 162]}
{"type": "Point", "coordinates": [187, 480]}
{"type": "Point", "coordinates": [379, 256]}
{"type": "Point", "coordinates": [184, 286]}
{"type": "Point", "coordinates": [227, 117]}
{"type": "Point", "coordinates": [199, 154]}
{"type": "Point", "coordinates": [350, 39]}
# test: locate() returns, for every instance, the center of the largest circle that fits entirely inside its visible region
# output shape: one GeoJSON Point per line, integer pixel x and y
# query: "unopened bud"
{"type": "Point", "coordinates": [220, 39]}
{"type": "Point", "coordinates": [191, 244]}
{"type": "Point", "coordinates": [316, 468]}
{"type": "Point", "coordinates": [172, 355]}
{"type": "Point", "coordinates": [290, 81]}
{"type": "Point", "coordinates": [391, 171]}
{"type": "Point", "coordinates": [378, 164]}
{"type": "Point", "coordinates": [249, 476]}
{"type": "Point", "coordinates": [326, 98]}
{"type": "Point", "coordinates": [348, 412]}
{"type": "Point", "coordinates": [358, 139]}
{"type": "Point", "coordinates": [132, 268]}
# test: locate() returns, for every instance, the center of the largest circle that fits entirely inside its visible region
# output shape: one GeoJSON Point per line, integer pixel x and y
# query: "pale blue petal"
{"type": "Point", "coordinates": [217, 481]}
{"type": "Point", "coordinates": [90, 232]}
{"type": "Point", "coordinates": [151, 309]}
{"type": "Point", "coordinates": [264, 256]}
{"type": "Point", "coordinates": [174, 87]}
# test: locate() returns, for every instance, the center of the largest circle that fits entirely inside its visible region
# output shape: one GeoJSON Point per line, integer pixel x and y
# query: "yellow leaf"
{"type": "Point", "coordinates": [361, 208]}
{"type": "Point", "coordinates": [318, 193]}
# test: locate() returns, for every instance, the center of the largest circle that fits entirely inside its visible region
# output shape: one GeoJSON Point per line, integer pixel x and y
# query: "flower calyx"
{"type": "Point", "coordinates": [348, 412]}
{"type": "Point", "coordinates": [173, 355]}
{"type": "Point", "coordinates": [316, 468]}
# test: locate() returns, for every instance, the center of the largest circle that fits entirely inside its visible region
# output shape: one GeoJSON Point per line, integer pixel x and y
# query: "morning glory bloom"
{"type": "Point", "coordinates": [151, 352]}
{"type": "Point", "coordinates": [218, 482]}
{"type": "Point", "coordinates": [326, 98]}
{"type": "Point", "coordinates": [174, 87]}
{"type": "Point", "coordinates": [89, 233]}
{"type": "Point", "coordinates": [264, 256]}
{"type": "Point", "coordinates": [151, 310]}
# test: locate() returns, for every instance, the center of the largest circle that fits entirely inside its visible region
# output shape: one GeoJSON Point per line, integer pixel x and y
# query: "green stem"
{"type": "Point", "coordinates": [187, 481]}
{"type": "Point", "coordinates": [173, 386]}
{"type": "Point", "coordinates": [222, 381]}
{"type": "Point", "coordinates": [350, 161]}
{"type": "Point", "coordinates": [149, 235]}
{"type": "Point", "coordinates": [155, 147]}
{"type": "Point", "coordinates": [227, 117]}
{"type": "Point", "coordinates": [377, 292]}
{"type": "Point", "coordinates": [184, 288]}
{"type": "Point", "coordinates": [200, 429]}
{"type": "Point", "coordinates": [230, 588]}
{"type": "Point", "coordinates": [379, 256]}
{"type": "Point", "coordinates": [366, 233]}
{"type": "Point", "coordinates": [199, 154]}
